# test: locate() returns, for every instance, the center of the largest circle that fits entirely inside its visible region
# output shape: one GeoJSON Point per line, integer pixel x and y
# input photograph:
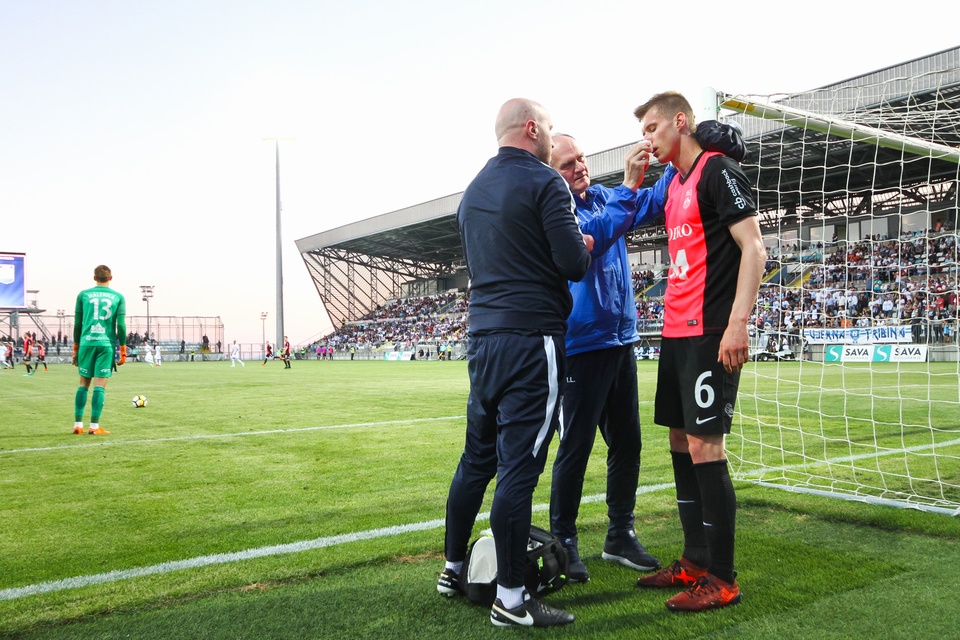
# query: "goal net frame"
{"type": "Point", "coordinates": [857, 186]}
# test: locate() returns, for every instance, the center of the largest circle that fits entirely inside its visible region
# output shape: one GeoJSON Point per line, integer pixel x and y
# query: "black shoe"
{"type": "Point", "coordinates": [577, 571]}
{"type": "Point", "coordinates": [531, 613]}
{"type": "Point", "coordinates": [449, 583]}
{"type": "Point", "coordinates": [627, 550]}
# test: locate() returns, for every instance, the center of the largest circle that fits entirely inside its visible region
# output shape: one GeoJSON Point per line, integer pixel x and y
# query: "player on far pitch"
{"type": "Point", "coordinates": [99, 322]}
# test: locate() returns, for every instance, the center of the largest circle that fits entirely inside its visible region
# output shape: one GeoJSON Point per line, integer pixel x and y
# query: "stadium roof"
{"type": "Point", "coordinates": [358, 266]}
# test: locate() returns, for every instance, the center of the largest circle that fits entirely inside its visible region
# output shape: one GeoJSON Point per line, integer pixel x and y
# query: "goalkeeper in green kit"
{"type": "Point", "coordinates": [99, 323]}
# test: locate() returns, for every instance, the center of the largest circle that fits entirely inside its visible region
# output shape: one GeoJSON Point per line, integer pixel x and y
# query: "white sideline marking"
{"type": "Point", "coordinates": [852, 458]}
{"type": "Point", "coordinates": [249, 554]}
{"type": "Point", "coordinates": [114, 443]}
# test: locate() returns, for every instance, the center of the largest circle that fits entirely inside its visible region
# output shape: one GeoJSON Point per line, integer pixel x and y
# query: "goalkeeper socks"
{"type": "Point", "coordinates": [719, 516]}
{"type": "Point", "coordinates": [691, 510]}
{"type": "Point", "coordinates": [79, 403]}
{"type": "Point", "coordinates": [96, 405]}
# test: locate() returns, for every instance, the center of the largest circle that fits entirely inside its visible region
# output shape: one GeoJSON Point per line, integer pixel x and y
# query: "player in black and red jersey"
{"type": "Point", "coordinates": [716, 264]}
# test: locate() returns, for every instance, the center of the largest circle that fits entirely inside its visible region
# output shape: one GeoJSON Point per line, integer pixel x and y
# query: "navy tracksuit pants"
{"type": "Point", "coordinates": [516, 384]}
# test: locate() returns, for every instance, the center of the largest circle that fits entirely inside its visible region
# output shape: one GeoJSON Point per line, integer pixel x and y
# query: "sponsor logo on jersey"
{"type": "Point", "coordinates": [734, 187]}
{"type": "Point", "coordinates": [680, 231]}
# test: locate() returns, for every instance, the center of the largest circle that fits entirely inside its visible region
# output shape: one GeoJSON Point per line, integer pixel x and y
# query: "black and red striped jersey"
{"type": "Point", "coordinates": [704, 258]}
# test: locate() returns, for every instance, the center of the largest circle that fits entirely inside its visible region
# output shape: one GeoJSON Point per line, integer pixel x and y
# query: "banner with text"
{"type": "Point", "coordinates": [875, 353]}
{"type": "Point", "coordinates": [859, 335]}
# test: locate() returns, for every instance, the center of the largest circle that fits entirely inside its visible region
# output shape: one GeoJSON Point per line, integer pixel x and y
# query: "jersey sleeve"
{"type": "Point", "coordinates": [122, 321]}
{"type": "Point", "coordinates": [78, 319]}
{"type": "Point", "coordinates": [613, 215]}
{"type": "Point", "coordinates": [557, 211]}
{"type": "Point", "coordinates": [725, 186]}
{"type": "Point", "coordinates": [651, 201]}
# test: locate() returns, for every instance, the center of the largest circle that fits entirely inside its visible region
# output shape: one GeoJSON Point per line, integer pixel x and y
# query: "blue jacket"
{"type": "Point", "coordinates": [604, 309]}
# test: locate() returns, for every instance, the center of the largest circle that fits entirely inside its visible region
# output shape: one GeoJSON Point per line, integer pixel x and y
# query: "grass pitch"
{"type": "Point", "coordinates": [308, 503]}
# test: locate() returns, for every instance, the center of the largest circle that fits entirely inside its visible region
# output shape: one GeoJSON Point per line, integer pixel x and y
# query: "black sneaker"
{"type": "Point", "coordinates": [577, 571]}
{"type": "Point", "coordinates": [531, 613]}
{"type": "Point", "coordinates": [449, 583]}
{"type": "Point", "coordinates": [627, 550]}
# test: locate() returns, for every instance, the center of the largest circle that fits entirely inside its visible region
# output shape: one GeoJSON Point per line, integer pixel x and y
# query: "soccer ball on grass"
{"type": "Point", "coordinates": [139, 401]}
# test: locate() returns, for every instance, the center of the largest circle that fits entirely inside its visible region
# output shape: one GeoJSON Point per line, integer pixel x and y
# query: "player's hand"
{"type": "Point", "coordinates": [635, 165]}
{"type": "Point", "coordinates": [734, 348]}
{"type": "Point", "coordinates": [123, 355]}
{"type": "Point", "coordinates": [73, 360]}
{"type": "Point", "coordinates": [588, 240]}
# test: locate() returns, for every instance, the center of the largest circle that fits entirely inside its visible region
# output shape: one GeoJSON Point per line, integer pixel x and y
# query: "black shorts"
{"type": "Point", "coordinates": [694, 391]}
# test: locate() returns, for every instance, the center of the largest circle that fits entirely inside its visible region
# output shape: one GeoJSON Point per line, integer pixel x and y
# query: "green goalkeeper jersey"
{"type": "Point", "coordinates": [100, 318]}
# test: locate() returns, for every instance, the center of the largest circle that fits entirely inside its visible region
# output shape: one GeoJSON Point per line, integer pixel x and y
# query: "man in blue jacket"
{"type": "Point", "coordinates": [601, 387]}
{"type": "Point", "coordinates": [522, 244]}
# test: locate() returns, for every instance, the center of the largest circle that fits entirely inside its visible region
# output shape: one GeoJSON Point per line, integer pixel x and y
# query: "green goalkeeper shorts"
{"type": "Point", "coordinates": [95, 362]}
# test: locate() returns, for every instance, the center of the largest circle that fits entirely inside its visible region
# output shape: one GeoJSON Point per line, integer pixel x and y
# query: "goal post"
{"type": "Point", "coordinates": [857, 188]}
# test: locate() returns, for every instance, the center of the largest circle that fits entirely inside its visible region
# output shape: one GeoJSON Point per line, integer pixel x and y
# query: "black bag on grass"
{"type": "Point", "coordinates": [545, 572]}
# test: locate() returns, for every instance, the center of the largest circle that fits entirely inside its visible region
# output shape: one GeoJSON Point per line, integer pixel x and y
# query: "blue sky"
{"type": "Point", "coordinates": [132, 133]}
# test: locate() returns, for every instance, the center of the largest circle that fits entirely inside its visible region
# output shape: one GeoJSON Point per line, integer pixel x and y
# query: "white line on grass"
{"type": "Point", "coordinates": [320, 543]}
{"type": "Point", "coordinates": [250, 554]}
{"type": "Point", "coordinates": [114, 443]}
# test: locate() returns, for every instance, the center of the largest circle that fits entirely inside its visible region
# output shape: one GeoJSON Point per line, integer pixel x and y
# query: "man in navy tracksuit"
{"type": "Point", "coordinates": [522, 244]}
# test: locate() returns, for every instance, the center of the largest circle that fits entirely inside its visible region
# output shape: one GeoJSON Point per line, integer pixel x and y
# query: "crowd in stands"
{"type": "Point", "coordinates": [435, 319]}
{"type": "Point", "coordinates": [643, 279]}
{"type": "Point", "coordinates": [910, 280]}
{"type": "Point", "coordinates": [875, 281]}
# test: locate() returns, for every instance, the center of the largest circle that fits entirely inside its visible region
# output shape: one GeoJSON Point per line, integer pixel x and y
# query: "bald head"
{"type": "Point", "coordinates": [525, 124]}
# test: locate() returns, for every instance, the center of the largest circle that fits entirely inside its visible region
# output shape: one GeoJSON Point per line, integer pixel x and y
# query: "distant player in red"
{"type": "Point", "coordinates": [285, 354]}
{"type": "Point", "coordinates": [41, 352]}
{"type": "Point", "coordinates": [268, 355]}
{"type": "Point", "coordinates": [716, 262]}
{"type": "Point", "coordinates": [28, 353]}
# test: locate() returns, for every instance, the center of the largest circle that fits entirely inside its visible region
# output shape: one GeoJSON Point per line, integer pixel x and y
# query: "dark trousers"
{"type": "Point", "coordinates": [601, 391]}
{"type": "Point", "coordinates": [516, 382]}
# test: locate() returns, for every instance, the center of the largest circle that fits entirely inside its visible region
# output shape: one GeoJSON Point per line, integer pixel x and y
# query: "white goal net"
{"type": "Point", "coordinates": [856, 388]}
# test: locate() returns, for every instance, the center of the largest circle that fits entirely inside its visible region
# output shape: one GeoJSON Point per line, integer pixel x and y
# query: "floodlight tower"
{"type": "Point", "coordinates": [276, 146]}
{"type": "Point", "coordinates": [147, 291]}
{"type": "Point", "coordinates": [263, 330]}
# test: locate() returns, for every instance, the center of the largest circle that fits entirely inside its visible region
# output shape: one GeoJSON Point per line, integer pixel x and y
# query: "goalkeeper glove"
{"type": "Point", "coordinates": [123, 354]}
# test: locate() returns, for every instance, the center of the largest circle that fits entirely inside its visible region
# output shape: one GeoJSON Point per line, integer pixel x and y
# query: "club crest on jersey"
{"type": "Point", "coordinates": [687, 197]}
